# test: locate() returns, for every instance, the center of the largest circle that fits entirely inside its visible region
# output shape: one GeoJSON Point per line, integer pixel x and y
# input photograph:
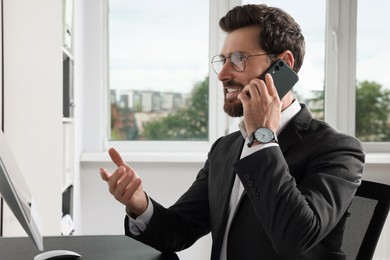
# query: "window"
{"type": "Point", "coordinates": [372, 76]}
{"type": "Point", "coordinates": [158, 70]}
{"type": "Point", "coordinates": [146, 85]}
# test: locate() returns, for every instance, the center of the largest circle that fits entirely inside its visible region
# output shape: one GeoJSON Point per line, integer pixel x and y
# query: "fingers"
{"type": "Point", "coordinates": [270, 85]}
{"type": "Point", "coordinates": [122, 184]}
{"type": "Point", "coordinates": [250, 91]}
{"type": "Point", "coordinates": [121, 175]}
{"type": "Point", "coordinates": [125, 185]}
{"type": "Point", "coordinates": [126, 188]}
{"type": "Point", "coordinates": [265, 87]}
{"type": "Point", "coordinates": [117, 159]}
{"type": "Point", "coordinates": [104, 174]}
{"type": "Point", "coordinates": [131, 189]}
{"type": "Point", "coordinates": [258, 89]}
{"type": "Point", "coordinates": [114, 178]}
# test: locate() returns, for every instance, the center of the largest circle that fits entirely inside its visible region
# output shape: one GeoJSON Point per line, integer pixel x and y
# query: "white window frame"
{"type": "Point", "coordinates": [340, 91]}
{"type": "Point", "coordinates": [340, 70]}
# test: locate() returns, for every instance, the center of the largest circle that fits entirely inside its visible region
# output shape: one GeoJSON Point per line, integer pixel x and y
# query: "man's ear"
{"type": "Point", "coordinates": [288, 58]}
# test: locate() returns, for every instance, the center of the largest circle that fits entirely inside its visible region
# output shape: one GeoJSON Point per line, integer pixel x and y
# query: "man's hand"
{"type": "Point", "coordinates": [262, 107]}
{"type": "Point", "coordinates": [125, 185]}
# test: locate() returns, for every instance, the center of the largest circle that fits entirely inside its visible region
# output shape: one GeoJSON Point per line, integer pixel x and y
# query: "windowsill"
{"type": "Point", "coordinates": [378, 158]}
{"type": "Point", "coordinates": [173, 157]}
{"type": "Point", "coordinates": [170, 157]}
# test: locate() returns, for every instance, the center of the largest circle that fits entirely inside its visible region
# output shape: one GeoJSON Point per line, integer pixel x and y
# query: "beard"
{"type": "Point", "coordinates": [232, 106]}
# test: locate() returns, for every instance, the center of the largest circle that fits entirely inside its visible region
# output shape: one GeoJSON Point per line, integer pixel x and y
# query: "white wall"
{"type": "Point", "coordinates": [33, 101]}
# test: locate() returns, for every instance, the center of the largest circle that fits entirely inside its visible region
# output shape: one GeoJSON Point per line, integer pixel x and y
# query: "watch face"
{"type": "Point", "coordinates": [264, 135]}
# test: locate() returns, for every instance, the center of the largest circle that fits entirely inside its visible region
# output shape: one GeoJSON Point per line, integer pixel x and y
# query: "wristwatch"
{"type": "Point", "coordinates": [263, 135]}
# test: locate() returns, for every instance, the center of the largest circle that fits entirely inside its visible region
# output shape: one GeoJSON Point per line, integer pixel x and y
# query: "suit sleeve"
{"type": "Point", "coordinates": [297, 213]}
{"type": "Point", "coordinates": [181, 225]}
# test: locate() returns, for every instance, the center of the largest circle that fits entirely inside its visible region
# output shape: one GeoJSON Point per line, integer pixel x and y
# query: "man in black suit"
{"type": "Point", "coordinates": [277, 189]}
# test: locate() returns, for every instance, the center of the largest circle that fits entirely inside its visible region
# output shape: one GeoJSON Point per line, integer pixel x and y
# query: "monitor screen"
{"type": "Point", "coordinates": [17, 194]}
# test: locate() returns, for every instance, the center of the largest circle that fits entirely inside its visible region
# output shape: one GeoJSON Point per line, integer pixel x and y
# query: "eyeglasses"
{"type": "Point", "coordinates": [237, 59]}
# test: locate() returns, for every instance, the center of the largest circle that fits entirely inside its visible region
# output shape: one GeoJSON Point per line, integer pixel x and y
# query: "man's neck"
{"type": "Point", "coordinates": [287, 100]}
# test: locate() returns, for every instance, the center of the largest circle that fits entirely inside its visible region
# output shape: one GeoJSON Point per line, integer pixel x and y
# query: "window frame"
{"type": "Point", "coordinates": [340, 70]}
{"type": "Point", "coordinates": [339, 103]}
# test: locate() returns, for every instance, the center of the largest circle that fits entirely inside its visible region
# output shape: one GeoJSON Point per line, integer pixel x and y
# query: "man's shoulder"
{"type": "Point", "coordinates": [311, 128]}
{"type": "Point", "coordinates": [322, 133]}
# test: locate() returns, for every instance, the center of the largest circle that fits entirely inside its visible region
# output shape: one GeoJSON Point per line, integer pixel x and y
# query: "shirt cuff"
{"type": "Point", "coordinates": [246, 151]}
{"type": "Point", "coordinates": [138, 225]}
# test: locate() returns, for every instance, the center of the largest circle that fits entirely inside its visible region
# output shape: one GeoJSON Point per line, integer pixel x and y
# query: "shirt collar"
{"type": "Point", "coordinates": [287, 115]}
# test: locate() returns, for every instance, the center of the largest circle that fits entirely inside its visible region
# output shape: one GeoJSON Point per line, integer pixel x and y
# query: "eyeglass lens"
{"type": "Point", "coordinates": [236, 58]}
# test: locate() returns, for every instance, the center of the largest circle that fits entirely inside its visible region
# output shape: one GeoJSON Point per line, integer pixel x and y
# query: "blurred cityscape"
{"type": "Point", "coordinates": [132, 109]}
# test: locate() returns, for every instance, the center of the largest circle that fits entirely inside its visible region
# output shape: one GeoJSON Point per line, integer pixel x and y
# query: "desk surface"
{"type": "Point", "coordinates": [89, 247]}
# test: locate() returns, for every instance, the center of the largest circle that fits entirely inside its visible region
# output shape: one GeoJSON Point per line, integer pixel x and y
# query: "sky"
{"type": "Point", "coordinates": [164, 47]}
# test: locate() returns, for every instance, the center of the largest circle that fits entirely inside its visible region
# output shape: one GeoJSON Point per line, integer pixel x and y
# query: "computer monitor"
{"type": "Point", "coordinates": [17, 194]}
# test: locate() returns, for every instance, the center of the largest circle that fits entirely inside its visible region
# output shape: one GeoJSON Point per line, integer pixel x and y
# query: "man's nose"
{"type": "Point", "coordinates": [226, 71]}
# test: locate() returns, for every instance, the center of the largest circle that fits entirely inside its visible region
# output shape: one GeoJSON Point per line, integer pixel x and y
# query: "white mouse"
{"type": "Point", "coordinates": [57, 254]}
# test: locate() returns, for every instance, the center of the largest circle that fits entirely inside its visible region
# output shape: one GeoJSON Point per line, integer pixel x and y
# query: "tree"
{"type": "Point", "coordinates": [372, 112]}
{"type": "Point", "coordinates": [189, 123]}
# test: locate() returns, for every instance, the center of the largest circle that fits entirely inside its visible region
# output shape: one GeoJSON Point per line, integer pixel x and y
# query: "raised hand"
{"type": "Point", "coordinates": [262, 107]}
{"type": "Point", "coordinates": [125, 185]}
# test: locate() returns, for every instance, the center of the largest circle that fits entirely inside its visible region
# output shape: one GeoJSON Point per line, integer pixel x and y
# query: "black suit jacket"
{"type": "Point", "coordinates": [298, 195]}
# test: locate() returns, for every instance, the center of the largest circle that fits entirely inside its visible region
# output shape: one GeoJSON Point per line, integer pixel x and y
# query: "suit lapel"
{"type": "Point", "coordinates": [227, 176]}
{"type": "Point", "coordinates": [224, 182]}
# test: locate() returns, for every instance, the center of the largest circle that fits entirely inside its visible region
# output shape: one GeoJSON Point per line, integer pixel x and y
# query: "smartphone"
{"type": "Point", "coordinates": [284, 77]}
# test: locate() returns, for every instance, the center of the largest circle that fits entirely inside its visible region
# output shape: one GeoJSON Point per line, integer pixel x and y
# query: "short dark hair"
{"type": "Point", "coordinates": [279, 30]}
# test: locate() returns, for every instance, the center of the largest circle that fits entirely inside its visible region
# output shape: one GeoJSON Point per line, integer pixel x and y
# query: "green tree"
{"type": "Point", "coordinates": [189, 123]}
{"type": "Point", "coordinates": [372, 112]}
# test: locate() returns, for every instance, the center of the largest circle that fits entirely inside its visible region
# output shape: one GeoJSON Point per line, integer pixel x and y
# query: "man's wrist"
{"type": "Point", "coordinates": [136, 214]}
{"type": "Point", "coordinates": [130, 213]}
{"type": "Point", "coordinates": [262, 135]}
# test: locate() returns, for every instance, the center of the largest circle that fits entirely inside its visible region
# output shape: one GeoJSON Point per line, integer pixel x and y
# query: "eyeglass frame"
{"type": "Point", "coordinates": [234, 66]}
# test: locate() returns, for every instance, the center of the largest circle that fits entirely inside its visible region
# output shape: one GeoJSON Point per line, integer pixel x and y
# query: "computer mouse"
{"type": "Point", "coordinates": [57, 255]}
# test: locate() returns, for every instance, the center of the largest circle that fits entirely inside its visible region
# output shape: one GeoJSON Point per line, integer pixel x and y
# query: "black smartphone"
{"type": "Point", "coordinates": [284, 77]}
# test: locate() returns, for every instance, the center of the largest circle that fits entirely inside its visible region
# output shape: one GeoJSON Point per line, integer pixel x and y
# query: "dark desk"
{"type": "Point", "coordinates": [89, 247]}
